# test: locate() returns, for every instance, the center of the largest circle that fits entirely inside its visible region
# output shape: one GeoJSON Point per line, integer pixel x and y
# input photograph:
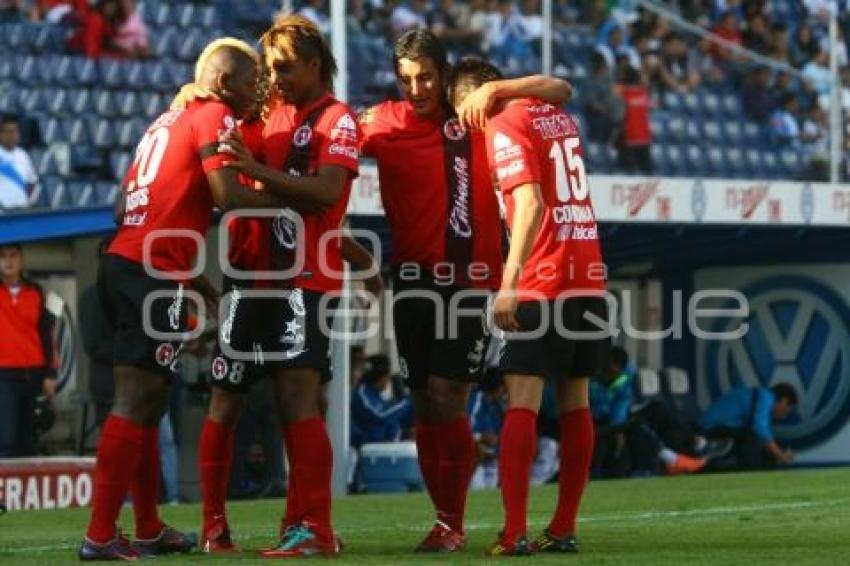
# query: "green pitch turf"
{"type": "Point", "coordinates": [799, 517]}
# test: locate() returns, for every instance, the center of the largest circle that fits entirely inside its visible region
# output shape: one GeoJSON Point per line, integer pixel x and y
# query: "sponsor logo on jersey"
{"type": "Point", "coordinates": [555, 127]}
{"type": "Point", "coordinates": [501, 141]}
{"type": "Point", "coordinates": [344, 150]}
{"type": "Point", "coordinates": [345, 130]}
{"type": "Point", "coordinates": [515, 167]}
{"type": "Point", "coordinates": [459, 219]}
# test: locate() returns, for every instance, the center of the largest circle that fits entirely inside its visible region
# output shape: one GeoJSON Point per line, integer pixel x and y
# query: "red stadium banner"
{"type": "Point", "coordinates": [46, 483]}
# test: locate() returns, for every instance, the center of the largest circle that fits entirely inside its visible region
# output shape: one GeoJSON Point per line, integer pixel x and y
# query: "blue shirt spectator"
{"type": "Point", "coordinates": [378, 413]}
{"type": "Point", "coordinates": [611, 400]}
{"type": "Point", "coordinates": [739, 409]}
{"type": "Point", "coordinates": [485, 413]}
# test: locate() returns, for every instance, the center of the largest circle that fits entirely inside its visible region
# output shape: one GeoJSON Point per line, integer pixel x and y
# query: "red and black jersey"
{"type": "Point", "coordinates": [248, 248]}
{"type": "Point", "coordinates": [300, 141]}
{"type": "Point", "coordinates": [166, 188]}
{"type": "Point", "coordinates": [532, 142]}
{"type": "Point", "coordinates": [437, 192]}
{"type": "Point", "coordinates": [26, 330]}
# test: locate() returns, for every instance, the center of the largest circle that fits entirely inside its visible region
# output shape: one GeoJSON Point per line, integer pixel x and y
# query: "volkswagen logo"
{"type": "Point", "coordinates": [799, 333]}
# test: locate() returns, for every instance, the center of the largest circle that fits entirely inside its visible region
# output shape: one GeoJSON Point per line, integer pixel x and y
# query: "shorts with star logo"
{"type": "Point", "coordinates": [262, 331]}
{"type": "Point", "coordinates": [440, 331]}
{"type": "Point", "coordinates": [573, 341]}
{"type": "Point", "coordinates": [123, 287]}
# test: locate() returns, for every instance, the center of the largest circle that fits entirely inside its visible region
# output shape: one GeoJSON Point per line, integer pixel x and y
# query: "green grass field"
{"type": "Point", "coordinates": [800, 517]}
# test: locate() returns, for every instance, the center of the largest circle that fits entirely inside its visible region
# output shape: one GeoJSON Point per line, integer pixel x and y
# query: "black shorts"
{"type": "Point", "coordinates": [122, 288]}
{"type": "Point", "coordinates": [452, 348]}
{"type": "Point", "coordinates": [554, 354]}
{"type": "Point", "coordinates": [265, 330]}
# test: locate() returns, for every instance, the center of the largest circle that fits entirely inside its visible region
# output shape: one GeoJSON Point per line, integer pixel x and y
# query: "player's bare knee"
{"type": "Point", "coordinates": [524, 392]}
{"type": "Point", "coordinates": [573, 394]}
{"type": "Point", "coordinates": [225, 406]}
{"type": "Point", "coordinates": [446, 399]}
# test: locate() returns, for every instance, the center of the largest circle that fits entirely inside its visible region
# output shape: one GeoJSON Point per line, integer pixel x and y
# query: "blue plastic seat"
{"type": "Point", "coordinates": [82, 102]}
{"type": "Point", "coordinates": [712, 133]}
{"type": "Point", "coordinates": [691, 103]}
{"type": "Point", "coordinates": [659, 159]}
{"type": "Point", "coordinates": [731, 105]}
{"type": "Point", "coordinates": [105, 193]}
{"type": "Point", "coordinates": [717, 165]}
{"type": "Point", "coordinates": [127, 104]}
{"type": "Point", "coordinates": [138, 76]}
{"type": "Point", "coordinates": [57, 194]}
{"type": "Point", "coordinates": [86, 159]}
{"type": "Point", "coordinates": [770, 165]}
{"type": "Point", "coordinates": [753, 161]}
{"type": "Point", "coordinates": [102, 133]}
{"type": "Point", "coordinates": [711, 104]}
{"type": "Point", "coordinates": [153, 105]}
{"type": "Point", "coordinates": [52, 130]}
{"type": "Point", "coordinates": [130, 132]}
{"type": "Point", "coordinates": [78, 133]}
{"type": "Point", "coordinates": [733, 132]}
{"type": "Point", "coordinates": [119, 162]}
{"type": "Point", "coordinates": [791, 163]}
{"type": "Point", "coordinates": [80, 192]}
{"type": "Point", "coordinates": [735, 159]}
{"type": "Point", "coordinates": [696, 159]}
{"type": "Point", "coordinates": [676, 129]}
{"type": "Point", "coordinates": [113, 73]}
{"type": "Point", "coordinates": [672, 101]}
{"type": "Point", "coordinates": [104, 104]}
{"type": "Point", "coordinates": [164, 45]}
{"type": "Point", "coordinates": [164, 15]}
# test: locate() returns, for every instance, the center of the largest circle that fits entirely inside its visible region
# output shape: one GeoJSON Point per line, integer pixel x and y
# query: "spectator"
{"type": "Point", "coordinates": [727, 30]}
{"type": "Point", "coordinates": [131, 35]}
{"type": "Point", "coordinates": [678, 69]}
{"type": "Point", "coordinates": [54, 11]}
{"type": "Point", "coordinates": [784, 130]}
{"type": "Point", "coordinates": [817, 77]}
{"type": "Point", "coordinates": [17, 173]}
{"type": "Point", "coordinates": [96, 32]}
{"type": "Point", "coordinates": [610, 404]}
{"type": "Point", "coordinates": [603, 108]}
{"type": "Point", "coordinates": [757, 36]}
{"type": "Point", "coordinates": [10, 11]}
{"type": "Point", "coordinates": [779, 48]}
{"type": "Point", "coordinates": [486, 415]}
{"type": "Point", "coordinates": [615, 45]}
{"type": "Point", "coordinates": [450, 22]}
{"type": "Point", "coordinates": [814, 135]}
{"type": "Point", "coordinates": [315, 11]}
{"type": "Point", "coordinates": [711, 69]}
{"type": "Point", "coordinates": [27, 362]}
{"type": "Point", "coordinates": [636, 136]}
{"type": "Point", "coordinates": [757, 99]}
{"type": "Point", "coordinates": [404, 18]}
{"type": "Point", "coordinates": [746, 415]}
{"type": "Point", "coordinates": [379, 411]}
{"type": "Point", "coordinates": [803, 45]}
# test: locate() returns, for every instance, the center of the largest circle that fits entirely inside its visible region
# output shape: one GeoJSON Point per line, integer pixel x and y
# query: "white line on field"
{"type": "Point", "coordinates": [626, 517]}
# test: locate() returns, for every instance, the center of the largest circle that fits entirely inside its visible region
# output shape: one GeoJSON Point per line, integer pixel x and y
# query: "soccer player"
{"type": "Point", "coordinates": [309, 157]}
{"type": "Point", "coordinates": [553, 282]}
{"type": "Point", "coordinates": [177, 177]}
{"type": "Point", "coordinates": [446, 232]}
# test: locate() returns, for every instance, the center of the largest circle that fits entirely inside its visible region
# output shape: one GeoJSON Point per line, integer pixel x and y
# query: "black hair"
{"type": "Point", "coordinates": [418, 43]}
{"type": "Point", "coordinates": [9, 119]}
{"type": "Point", "coordinates": [471, 72]}
{"type": "Point", "coordinates": [619, 357]}
{"type": "Point", "coordinates": [785, 391]}
{"type": "Point", "coordinates": [376, 367]}
{"type": "Point", "coordinates": [13, 245]}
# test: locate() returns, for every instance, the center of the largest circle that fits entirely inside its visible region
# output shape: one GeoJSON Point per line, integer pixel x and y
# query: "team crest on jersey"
{"type": "Point", "coordinates": [165, 354]}
{"type": "Point", "coordinates": [302, 136]}
{"type": "Point", "coordinates": [453, 130]}
{"type": "Point", "coordinates": [219, 368]}
{"type": "Point", "coordinates": [229, 122]}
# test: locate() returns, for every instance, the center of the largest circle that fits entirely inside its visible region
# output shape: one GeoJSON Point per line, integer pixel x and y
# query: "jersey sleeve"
{"type": "Point", "coordinates": [370, 127]}
{"type": "Point", "coordinates": [210, 123]}
{"type": "Point", "coordinates": [510, 150]}
{"type": "Point", "coordinates": [341, 142]}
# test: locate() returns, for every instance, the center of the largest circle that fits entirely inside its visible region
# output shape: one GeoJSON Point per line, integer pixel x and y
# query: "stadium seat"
{"type": "Point", "coordinates": [679, 392]}
{"type": "Point", "coordinates": [753, 135]}
{"type": "Point", "coordinates": [753, 160]}
{"type": "Point", "coordinates": [659, 158]}
{"type": "Point", "coordinates": [52, 130]}
{"type": "Point", "coordinates": [711, 104]}
{"type": "Point", "coordinates": [83, 102]}
{"type": "Point", "coordinates": [76, 71]}
{"type": "Point", "coordinates": [675, 159]}
{"type": "Point", "coordinates": [102, 133]}
{"type": "Point", "coordinates": [717, 165]}
{"type": "Point", "coordinates": [672, 101]}
{"type": "Point", "coordinates": [112, 73]}
{"type": "Point", "coordinates": [8, 102]}
{"type": "Point", "coordinates": [27, 71]}
{"type": "Point", "coordinates": [56, 194]}
{"type": "Point", "coordinates": [164, 43]}
{"type": "Point", "coordinates": [153, 105]}
{"type": "Point", "coordinates": [697, 163]}
{"type": "Point", "coordinates": [127, 104]}
{"type": "Point", "coordinates": [733, 132]}
{"type": "Point", "coordinates": [78, 134]}
{"type": "Point", "coordinates": [119, 162]}
{"type": "Point", "coordinates": [711, 132]}
{"type": "Point", "coordinates": [139, 76]}
{"type": "Point", "coordinates": [791, 163]}
{"type": "Point", "coordinates": [657, 126]}
{"type": "Point", "coordinates": [735, 159]}
{"type": "Point", "coordinates": [190, 45]}
{"type": "Point", "coordinates": [770, 165]}
{"type": "Point", "coordinates": [731, 105]}
{"type": "Point", "coordinates": [691, 104]}
{"type": "Point", "coordinates": [676, 129]}
{"type": "Point", "coordinates": [80, 193]}
{"type": "Point", "coordinates": [164, 15]}
{"type": "Point", "coordinates": [693, 131]}
{"type": "Point", "coordinates": [105, 104]}
{"type": "Point", "coordinates": [647, 388]}
{"type": "Point", "coordinates": [45, 163]}
{"type": "Point", "coordinates": [105, 193]}
{"type": "Point", "coordinates": [130, 132]}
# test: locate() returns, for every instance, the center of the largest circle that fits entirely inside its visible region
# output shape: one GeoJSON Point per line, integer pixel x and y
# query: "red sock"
{"type": "Point", "coordinates": [293, 512]}
{"type": "Point", "coordinates": [144, 487]}
{"type": "Point", "coordinates": [118, 452]}
{"type": "Point", "coordinates": [517, 447]}
{"type": "Point", "coordinates": [215, 453]}
{"type": "Point", "coordinates": [456, 457]}
{"type": "Point", "coordinates": [429, 463]}
{"type": "Point", "coordinates": [311, 470]}
{"type": "Point", "coordinates": [577, 437]}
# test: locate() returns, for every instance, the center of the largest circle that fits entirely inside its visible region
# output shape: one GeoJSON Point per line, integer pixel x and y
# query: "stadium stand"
{"type": "Point", "coordinates": [94, 111]}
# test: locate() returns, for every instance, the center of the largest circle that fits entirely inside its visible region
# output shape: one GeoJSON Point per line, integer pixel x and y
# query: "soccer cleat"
{"type": "Point", "coordinates": [501, 547]}
{"type": "Point", "coordinates": [301, 541]}
{"type": "Point", "coordinates": [547, 543]}
{"type": "Point", "coordinates": [217, 540]}
{"type": "Point", "coordinates": [118, 549]}
{"type": "Point", "coordinates": [686, 465]}
{"type": "Point", "coordinates": [442, 539]}
{"type": "Point", "coordinates": [169, 541]}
